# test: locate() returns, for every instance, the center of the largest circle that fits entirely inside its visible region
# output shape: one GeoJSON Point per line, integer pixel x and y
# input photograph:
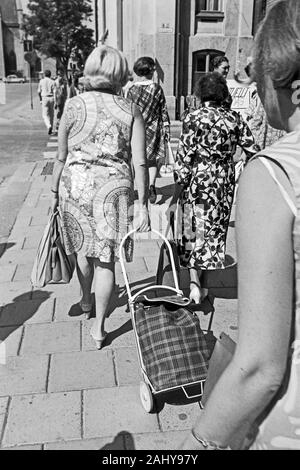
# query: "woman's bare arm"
{"type": "Point", "coordinates": [138, 145]}
{"type": "Point", "coordinates": [61, 159]}
{"type": "Point", "coordinates": [265, 286]}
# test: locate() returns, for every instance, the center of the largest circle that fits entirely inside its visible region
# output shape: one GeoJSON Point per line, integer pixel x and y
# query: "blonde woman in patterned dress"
{"type": "Point", "coordinates": [100, 134]}
{"type": "Point", "coordinates": [262, 382]}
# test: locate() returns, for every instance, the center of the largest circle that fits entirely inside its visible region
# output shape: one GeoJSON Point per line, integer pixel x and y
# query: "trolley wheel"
{"type": "Point", "coordinates": [146, 397]}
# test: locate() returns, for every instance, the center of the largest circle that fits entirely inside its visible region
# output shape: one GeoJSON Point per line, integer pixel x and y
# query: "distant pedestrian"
{"type": "Point", "coordinates": [76, 87]}
{"type": "Point", "coordinates": [221, 65]}
{"type": "Point", "coordinates": [46, 93]}
{"type": "Point", "coordinates": [205, 179]}
{"type": "Point", "coordinates": [150, 98]}
{"type": "Point", "coordinates": [101, 137]}
{"type": "Point", "coordinates": [60, 97]}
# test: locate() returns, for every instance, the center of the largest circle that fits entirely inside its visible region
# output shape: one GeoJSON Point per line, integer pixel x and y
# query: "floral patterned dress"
{"type": "Point", "coordinates": [96, 186]}
{"type": "Point", "coordinates": [206, 169]}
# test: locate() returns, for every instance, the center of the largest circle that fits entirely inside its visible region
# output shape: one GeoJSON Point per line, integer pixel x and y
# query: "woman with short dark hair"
{"type": "Point", "coordinates": [150, 98]}
{"type": "Point", "coordinates": [221, 65]}
{"type": "Point", "coordinates": [205, 179]}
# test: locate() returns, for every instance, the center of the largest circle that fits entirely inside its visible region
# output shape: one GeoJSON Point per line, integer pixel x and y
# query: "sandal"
{"type": "Point", "coordinates": [86, 309]}
{"type": "Point", "coordinates": [99, 341]}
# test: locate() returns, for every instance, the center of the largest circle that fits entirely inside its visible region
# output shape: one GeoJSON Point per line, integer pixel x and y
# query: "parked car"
{"type": "Point", "coordinates": [14, 79]}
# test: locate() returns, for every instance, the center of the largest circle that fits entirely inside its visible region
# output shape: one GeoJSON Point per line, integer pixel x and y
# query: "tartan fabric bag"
{"type": "Point", "coordinates": [172, 345]}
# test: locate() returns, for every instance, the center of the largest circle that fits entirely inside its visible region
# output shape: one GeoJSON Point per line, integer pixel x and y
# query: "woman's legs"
{"type": "Point", "coordinates": [104, 286]}
{"type": "Point", "coordinates": [152, 179]}
{"type": "Point", "coordinates": [197, 292]}
{"type": "Point", "coordinates": [85, 273]}
{"type": "Point", "coordinates": [152, 175]}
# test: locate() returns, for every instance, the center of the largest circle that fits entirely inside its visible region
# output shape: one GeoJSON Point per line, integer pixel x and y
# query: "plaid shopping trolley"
{"type": "Point", "coordinates": [171, 346]}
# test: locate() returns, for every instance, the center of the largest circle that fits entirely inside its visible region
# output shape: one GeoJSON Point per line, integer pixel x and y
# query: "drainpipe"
{"type": "Point", "coordinates": [96, 22]}
{"type": "Point", "coordinates": [177, 59]}
{"type": "Point", "coordinates": [103, 17]}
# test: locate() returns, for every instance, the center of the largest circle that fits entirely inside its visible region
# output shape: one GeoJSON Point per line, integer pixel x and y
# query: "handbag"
{"type": "Point", "coordinates": [222, 354]}
{"type": "Point", "coordinates": [52, 265]}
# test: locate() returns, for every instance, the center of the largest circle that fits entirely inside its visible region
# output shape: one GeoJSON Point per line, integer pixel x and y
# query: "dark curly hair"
{"type": "Point", "coordinates": [217, 61]}
{"type": "Point", "coordinates": [212, 87]}
{"type": "Point", "coordinates": [144, 66]}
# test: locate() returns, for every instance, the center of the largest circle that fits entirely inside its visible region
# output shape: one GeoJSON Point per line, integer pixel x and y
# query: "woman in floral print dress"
{"type": "Point", "coordinates": [101, 136]}
{"type": "Point", "coordinates": [205, 179]}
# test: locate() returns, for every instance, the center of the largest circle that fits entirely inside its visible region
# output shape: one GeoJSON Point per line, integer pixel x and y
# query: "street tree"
{"type": "Point", "coordinates": [60, 29]}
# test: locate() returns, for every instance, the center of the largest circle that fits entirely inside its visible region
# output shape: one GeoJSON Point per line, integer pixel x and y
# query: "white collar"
{"type": "Point", "coordinates": [144, 82]}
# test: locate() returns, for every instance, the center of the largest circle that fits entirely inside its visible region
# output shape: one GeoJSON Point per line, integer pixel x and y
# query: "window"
{"type": "Point", "coordinates": [209, 6]}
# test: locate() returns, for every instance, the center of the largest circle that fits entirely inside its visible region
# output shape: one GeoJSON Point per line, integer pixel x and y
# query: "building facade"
{"type": "Point", "coordinates": [182, 35]}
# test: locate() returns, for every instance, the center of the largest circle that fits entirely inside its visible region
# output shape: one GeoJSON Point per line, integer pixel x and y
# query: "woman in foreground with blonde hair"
{"type": "Point", "coordinates": [262, 383]}
{"type": "Point", "coordinates": [100, 133]}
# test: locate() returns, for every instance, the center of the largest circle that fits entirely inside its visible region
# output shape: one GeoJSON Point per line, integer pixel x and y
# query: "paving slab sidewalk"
{"type": "Point", "coordinates": [56, 391]}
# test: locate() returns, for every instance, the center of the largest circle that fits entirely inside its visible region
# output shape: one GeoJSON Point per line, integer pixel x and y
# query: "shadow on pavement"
{"type": "Point", "coordinates": [122, 441]}
{"type": "Point", "coordinates": [122, 330]}
{"type": "Point", "coordinates": [19, 311]}
{"type": "Point", "coordinates": [222, 283]}
{"type": "Point", "coordinates": [4, 247]}
{"type": "Point", "coordinates": [166, 192]}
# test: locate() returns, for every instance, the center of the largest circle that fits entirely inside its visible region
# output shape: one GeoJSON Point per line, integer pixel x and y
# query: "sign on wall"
{"type": "Point", "coordinates": [241, 96]}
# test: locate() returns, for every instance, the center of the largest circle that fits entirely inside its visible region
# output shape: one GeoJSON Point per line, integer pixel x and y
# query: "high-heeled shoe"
{"type": "Point", "coordinates": [86, 309]}
{"type": "Point", "coordinates": [99, 341]}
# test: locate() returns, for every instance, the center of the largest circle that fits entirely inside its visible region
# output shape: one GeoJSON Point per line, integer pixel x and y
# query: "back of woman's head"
{"type": "Point", "coordinates": [144, 66]}
{"type": "Point", "coordinates": [212, 87]}
{"type": "Point", "coordinates": [106, 67]}
{"type": "Point", "coordinates": [277, 46]}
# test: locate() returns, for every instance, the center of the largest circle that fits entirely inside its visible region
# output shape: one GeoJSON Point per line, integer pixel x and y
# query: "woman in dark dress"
{"type": "Point", "coordinates": [205, 178]}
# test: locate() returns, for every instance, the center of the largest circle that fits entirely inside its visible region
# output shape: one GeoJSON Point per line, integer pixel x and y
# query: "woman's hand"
{"type": "Point", "coordinates": [195, 293]}
{"type": "Point", "coordinates": [142, 220]}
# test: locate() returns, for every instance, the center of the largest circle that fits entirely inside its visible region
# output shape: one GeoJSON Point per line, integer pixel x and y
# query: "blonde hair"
{"type": "Point", "coordinates": [106, 67]}
{"type": "Point", "coordinates": [277, 46]}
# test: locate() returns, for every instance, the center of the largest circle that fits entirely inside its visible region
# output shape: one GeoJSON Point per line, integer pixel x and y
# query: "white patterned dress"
{"type": "Point", "coordinates": [96, 186]}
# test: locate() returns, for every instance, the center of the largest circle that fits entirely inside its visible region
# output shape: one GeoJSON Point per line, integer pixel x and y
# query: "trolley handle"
{"type": "Point", "coordinates": [121, 257]}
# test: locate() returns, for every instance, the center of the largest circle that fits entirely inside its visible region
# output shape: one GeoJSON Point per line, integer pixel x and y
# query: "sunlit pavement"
{"type": "Point", "coordinates": [56, 390]}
